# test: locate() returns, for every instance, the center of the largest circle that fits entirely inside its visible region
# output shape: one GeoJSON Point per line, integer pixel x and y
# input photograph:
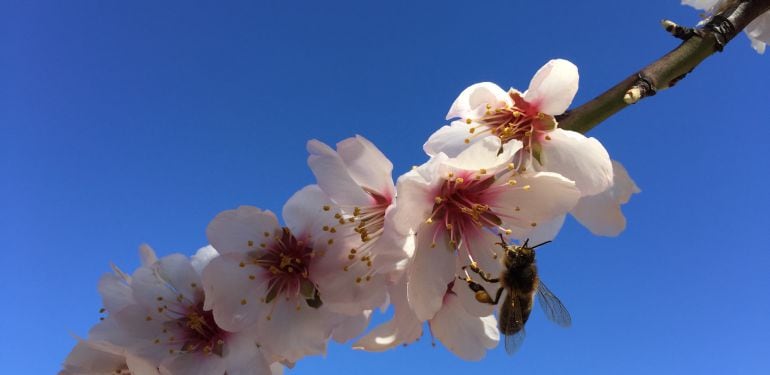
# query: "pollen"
{"type": "Point", "coordinates": [512, 182]}
{"type": "Point", "coordinates": [547, 137]}
{"type": "Point", "coordinates": [429, 221]}
{"type": "Point", "coordinates": [438, 200]}
{"type": "Point", "coordinates": [459, 180]}
{"type": "Point", "coordinates": [252, 277]}
{"type": "Point", "coordinates": [468, 121]}
{"type": "Point", "coordinates": [250, 243]}
{"type": "Point", "coordinates": [351, 256]}
{"type": "Point", "coordinates": [467, 140]}
{"type": "Point", "coordinates": [325, 228]}
{"type": "Point", "coordinates": [358, 280]}
{"type": "Point", "coordinates": [482, 171]}
{"type": "Point", "coordinates": [331, 241]}
{"type": "Point", "coordinates": [266, 234]}
{"type": "Point", "coordinates": [533, 224]}
{"type": "Point", "coordinates": [243, 301]}
{"type": "Point", "coordinates": [472, 130]}
{"type": "Point", "coordinates": [511, 166]}
{"type": "Point", "coordinates": [526, 187]}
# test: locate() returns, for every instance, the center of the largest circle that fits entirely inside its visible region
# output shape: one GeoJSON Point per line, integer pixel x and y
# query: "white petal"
{"type": "Point", "coordinates": [333, 176]}
{"type": "Point", "coordinates": [227, 286]}
{"type": "Point", "coordinates": [484, 154]}
{"type": "Point", "coordinates": [139, 366]}
{"type": "Point", "coordinates": [450, 139]}
{"type": "Point", "coordinates": [193, 364]}
{"type": "Point", "coordinates": [465, 335]}
{"type": "Point", "coordinates": [242, 355]}
{"type": "Point", "coordinates": [306, 209]}
{"type": "Point", "coordinates": [202, 257]}
{"type": "Point", "coordinates": [759, 32]}
{"type": "Point", "coordinates": [403, 328]}
{"type": "Point", "coordinates": [241, 230]}
{"type": "Point", "coordinates": [543, 232]}
{"type": "Point", "coordinates": [477, 96]}
{"type": "Point", "coordinates": [293, 333]}
{"type": "Point", "coordinates": [431, 270]}
{"type": "Point", "coordinates": [115, 292]}
{"type": "Point", "coordinates": [367, 164]}
{"type": "Point", "coordinates": [601, 213]}
{"type": "Point", "coordinates": [147, 255]}
{"type": "Point", "coordinates": [583, 160]}
{"type": "Point", "coordinates": [87, 359]}
{"type": "Point", "coordinates": [352, 327]}
{"type": "Point", "coordinates": [536, 199]}
{"type": "Point", "coordinates": [415, 196]}
{"type": "Point", "coordinates": [553, 87]}
{"type": "Point", "coordinates": [177, 271]}
{"type": "Point", "coordinates": [701, 4]}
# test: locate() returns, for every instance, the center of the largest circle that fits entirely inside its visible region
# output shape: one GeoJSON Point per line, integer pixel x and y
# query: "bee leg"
{"type": "Point", "coordinates": [481, 293]}
{"type": "Point", "coordinates": [487, 277]}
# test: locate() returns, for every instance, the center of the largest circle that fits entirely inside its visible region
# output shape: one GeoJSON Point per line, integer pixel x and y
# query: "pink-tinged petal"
{"type": "Point", "coordinates": [581, 159]}
{"type": "Point", "coordinates": [305, 211]}
{"type": "Point", "coordinates": [465, 335]}
{"type": "Point", "coordinates": [485, 154]}
{"type": "Point", "coordinates": [147, 255]}
{"type": "Point", "coordinates": [115, 292]}
{"type": "Point", "coordinates": [367, 164]}
{"type": "Point", "coordinates": [415, 196]}
{"type": "Point", "coordinates": [351, 327]}
{"type": "Point", "coordinates": [391, 249]}
{"type": "Point", "coordinates": [193, 364]}
{"type": "Point", "coordinates": [333, 177]}
{"type": "Point", "coordinates": [535, 199]}
{"type": "Point", "coordinates": [553, 87]}
{"type": "Point", "coordinates": [202, 257]}
{"type": "Point", "coordinates": [450, 139]}
{"type": "Point", "coordinates": [475, 98]}
{"type": "Point", "coordinates": [276, 368]}
{"type": "Point", "coordinates": [242, 229]}
{"type": "Point", "coordinates": [85, 359]}
{"type": "Point", "coordinates": [293, 333]}
{"type": "Point", "coordinates": [347, 285]}
{"type": "Point", "coordinates": [176, 271]}
{"type": "Point", "coordinates": [403, 328]}
{"type": "Point", "coordinates": [234, 292]}
{"type": "Point", "coordinates": [242, 355]}
{"type": "Point", "coordinates": [108, 335]}
{"type": "Point", "coordinates": [601, 213]}
{"type": "Point", "coordinates": [431, 270]}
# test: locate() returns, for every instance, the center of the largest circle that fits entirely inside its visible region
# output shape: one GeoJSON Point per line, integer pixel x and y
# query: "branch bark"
{"type": "Point", "coordinates": [666, 71]}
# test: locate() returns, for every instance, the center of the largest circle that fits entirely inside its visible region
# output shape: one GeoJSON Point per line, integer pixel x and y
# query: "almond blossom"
{"type": "Point", "coordinates": [456, 205]}
{"type": "Point", "coordinates": [357, 179]}
{"type": "Point", "coordinates": [758, 30]}
{"type": "Point", "coordinates": [157, 315]}
{"type": "Point", "coordinates": [484, 110]}
{"type": "Point", "coordinates": [298, 284]}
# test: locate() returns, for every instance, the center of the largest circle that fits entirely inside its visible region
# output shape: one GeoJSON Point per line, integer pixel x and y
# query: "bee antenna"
{"type": "Point", "coordinates": [526, 242]}
{"type": "Point", "coordinates": [538, 245]}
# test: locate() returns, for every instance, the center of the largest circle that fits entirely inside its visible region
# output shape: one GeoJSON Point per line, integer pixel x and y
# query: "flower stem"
{"type": "Point", "coordinates": [663, 73]}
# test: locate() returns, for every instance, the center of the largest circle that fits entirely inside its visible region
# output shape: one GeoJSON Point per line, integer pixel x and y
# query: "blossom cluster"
{"type": "Point", "coordinates": [263, 294]}
{"type": "Point", "coordinates": [758, 30]}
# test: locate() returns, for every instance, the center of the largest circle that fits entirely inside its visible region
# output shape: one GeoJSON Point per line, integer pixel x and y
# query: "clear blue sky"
{"type": "Point", "coordinates": [124, 122]}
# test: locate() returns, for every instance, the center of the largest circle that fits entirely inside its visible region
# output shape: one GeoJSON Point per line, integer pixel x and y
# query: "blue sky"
{"type": "Point", "coordinates": [131, 122]}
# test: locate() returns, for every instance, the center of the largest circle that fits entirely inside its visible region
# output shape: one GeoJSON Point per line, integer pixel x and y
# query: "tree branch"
{"type": "Point", "coordinates": [699, 44]}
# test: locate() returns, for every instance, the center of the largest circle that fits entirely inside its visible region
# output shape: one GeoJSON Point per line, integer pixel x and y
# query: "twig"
{"type": "Point", "coordinates": [699, 43]}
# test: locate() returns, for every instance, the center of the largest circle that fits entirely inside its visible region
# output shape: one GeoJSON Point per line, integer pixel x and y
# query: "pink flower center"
{"type": "Point", "coordinates": [288, 262]}
{"type": "Point", "coordinates": [464, 205]}
{"type": "Point", "coordinates": [521, 121]}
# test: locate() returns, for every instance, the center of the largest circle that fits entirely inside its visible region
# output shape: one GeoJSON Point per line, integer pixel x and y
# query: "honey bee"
{"type": "Point", "coordinates": [519, 278]}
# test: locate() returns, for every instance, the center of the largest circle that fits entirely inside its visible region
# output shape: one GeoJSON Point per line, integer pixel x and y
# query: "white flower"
{"type": "Point", "coordinates": [297, 284]}
{"type": "Point", "coordinates": [464, 333]}
{"type": "Point", "coordinates": [758, 30]}
{"type": "Point", "coordinates": [459, 203]}
{"type": "Point", "coordinates": [357, 178]}
{"type": "Point", "coordinates": [162, 321]}
{"type": "Point", "coordinates": [485, 109]}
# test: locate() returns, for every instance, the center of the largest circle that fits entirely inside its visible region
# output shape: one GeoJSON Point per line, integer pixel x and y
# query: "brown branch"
{"type": "Point", "coordinates": [699, 44]}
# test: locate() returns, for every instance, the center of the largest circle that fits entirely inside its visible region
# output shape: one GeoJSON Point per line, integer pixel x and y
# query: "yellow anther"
{"type": "Point", "coordinates": [326, 207]}
{"type": "Point", "coordinates": [241, 264]}
{"type": "Point", "coordinates": [243, 301]}
{"type": "Point", "coordinates": [325, 228]}
{"type": "Point", "coordinates": [333, 230]}
{"type": "Point", "coordinates": [512, 182]}
{"type": "Point", "coordinates": [468, 121]}
{"type": "Point", "coordinates": [250, 243]}
{"type": "Point", "coordinates": [472, 130]}
{"type": "Point", "coordinates": [438, 200]}
{"type": "Point", "coordinates": [547, 137]}
{"type": "Point", "coordinates": [511, 166]}
{"type": "Point", "coordinates": [526, 187]}
{"type": "Point", "coordinates": [482, 171]}
{"type": "Point", "coordinates": [351, 256]}
{"type": "Point", "coordinates": [534, 224]}
{"type": "Point", "coordinates": [266, 234]}
{"type": "Point", "coordinates": [252, 277]}
{"type": "Point", "coordinates": [459, 180]}
{"type": "Point", "coordinates": [429, 221]}
{"type": "Point", "coordinates": [467, 140]}
{"type": "Point", "coordinates": [358, 280]}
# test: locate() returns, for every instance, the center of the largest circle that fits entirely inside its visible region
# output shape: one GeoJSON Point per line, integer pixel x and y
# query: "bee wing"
{"type": "Point", "coordinates": [512, 323]}
{"type": "Point", "coordinates": [553, 308]}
